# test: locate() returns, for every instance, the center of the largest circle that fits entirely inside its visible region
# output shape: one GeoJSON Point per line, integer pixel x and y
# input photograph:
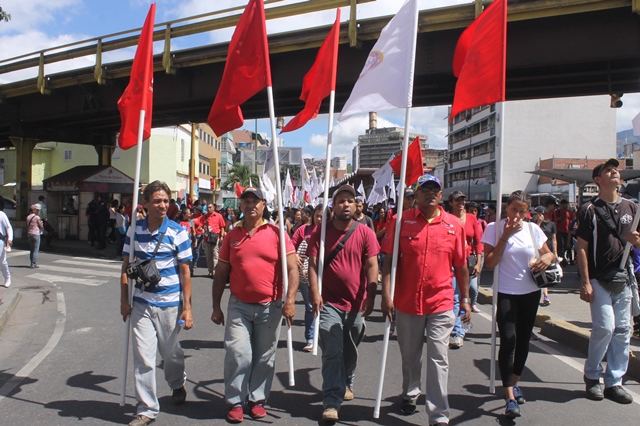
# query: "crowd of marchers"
{"type": "Point", "coordinates": [444, 245]}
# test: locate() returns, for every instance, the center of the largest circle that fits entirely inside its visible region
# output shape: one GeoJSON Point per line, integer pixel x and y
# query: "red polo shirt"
{"type": "Point", "coordinates": [215, 220]}
{"type": "Point", "coordinates": [256, 271]}
{"type": "Point", "coordinates": [428, 251]}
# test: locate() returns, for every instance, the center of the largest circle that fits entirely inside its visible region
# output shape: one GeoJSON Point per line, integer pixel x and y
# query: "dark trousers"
{"type": "Point", "coordinates": [515, 317]}
{"type": "Point", "coordinates": [563, 246]}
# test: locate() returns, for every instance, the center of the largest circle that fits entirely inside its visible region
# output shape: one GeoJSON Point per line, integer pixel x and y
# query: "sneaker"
{"type": "Point", "coordinates": [235, 414]}
{"type": "Point", "coordinates": [518, 395]}
{"type": "Point", "coordinates": [474, 308]}
{"type": "Point", "coordinates": [7, 283]}
{"type": "Point", "coordinates": [618, 394]}
{"type": "Point", "coordinates": [455, 341]}
{"type": "Point", "coordinates": [348, 394]}
{"type": "Point", "coordinates": [408, 406]}
{"type": "Point", "coordinates": [594, 389]}
{"type": "Point", "coordinates": [330, 414]}
{"type": "Point", "coordinates": [258, 411]}
{"type": "Point", "coordinates": [141, 421]}
{"type": "Point", "coordinates": [308, 348]}
{"type": "Point", "coordinates": [512, 410]}
{"type": "Point", "coordinates": [545, 301]}
{"type": "Point", "coordinates": [35, 266]}
{"type": "Point", "coordinates": [179, 396]}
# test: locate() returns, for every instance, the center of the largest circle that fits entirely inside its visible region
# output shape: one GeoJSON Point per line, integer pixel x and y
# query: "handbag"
{"type": "Point", "coordinates": [145, 272]}
{"type": "Point", "coordinates": [549, 277]}
{"type": "Point", "coordinates": [212, 237]}
{"type": "Point", "coordinates": [472, 261]}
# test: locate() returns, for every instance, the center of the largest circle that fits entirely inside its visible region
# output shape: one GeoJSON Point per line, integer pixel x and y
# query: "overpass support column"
{"type": "Point", "coordinates": [104, 154]}
{"type": "Point", "coordinates": [24, 162]}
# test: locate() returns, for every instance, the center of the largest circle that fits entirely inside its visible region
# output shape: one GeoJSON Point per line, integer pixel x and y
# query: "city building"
{"type": "Point", "coordinates": [582, 127]}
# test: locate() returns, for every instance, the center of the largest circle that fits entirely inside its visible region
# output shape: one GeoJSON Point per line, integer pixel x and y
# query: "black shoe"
{"type": "Point", "coordinates": [618, 394]}
{"type": "Point", "coordinates": [594, 390]}
{"type": "Point", "coordinates": [408, 406]}
{"type": "Point", "coordinates": [179, 396]}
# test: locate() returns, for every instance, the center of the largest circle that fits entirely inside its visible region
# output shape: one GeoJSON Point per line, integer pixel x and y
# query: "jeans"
{"type": "Point", "coordinates": [4, 265]}
{"type": "Point", "coordinates": [196, 250]}
{"type": "Point", "coordinates": [155, 329]}
{"type": "Point", "coordinates": [250, 340]}
{"type": "Point", "coordinates": [34, 247]}
{"type": "Point", "coordinates": [473, 289]}
{"type": "Point", "coordinates": [309, 319]}
{"type": "Point", "coordinates": [610, 335]}
{"type": "Point", "coordinates": [411, 331]}
{"type": "Point", "coordinates": [340, 334]}
{"type": "Point", "coordinates": [457, 328]}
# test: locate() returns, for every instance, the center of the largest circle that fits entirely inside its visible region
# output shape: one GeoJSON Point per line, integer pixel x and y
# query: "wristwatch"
{"type": "Point", "coordinates": [465, 300]}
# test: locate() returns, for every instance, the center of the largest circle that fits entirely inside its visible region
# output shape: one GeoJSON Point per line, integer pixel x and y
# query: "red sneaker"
{"type": "Point", "coordinates": [258, 411]}
{"type": "Point", "coordinates": [235, 414]}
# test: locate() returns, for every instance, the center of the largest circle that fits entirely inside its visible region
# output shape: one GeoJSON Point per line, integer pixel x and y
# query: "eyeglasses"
{"type": "Point", "coordinates": [430, 188]}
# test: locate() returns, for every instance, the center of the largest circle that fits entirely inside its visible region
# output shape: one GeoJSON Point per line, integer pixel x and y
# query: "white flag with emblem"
{"type": "Point", "coordinates": [386, 81]}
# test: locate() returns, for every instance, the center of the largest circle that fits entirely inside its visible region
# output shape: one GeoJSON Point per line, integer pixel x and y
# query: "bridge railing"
{"type": "Point", "coordinates": [165, 31]}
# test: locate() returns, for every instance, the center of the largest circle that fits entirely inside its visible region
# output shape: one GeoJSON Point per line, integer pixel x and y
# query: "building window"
{"type": "Point", "coordinates": [68, 155]}
{"type": "Point", "coordinates": [208, 171]}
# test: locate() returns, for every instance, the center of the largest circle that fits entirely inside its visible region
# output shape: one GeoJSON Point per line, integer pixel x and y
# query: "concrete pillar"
{"type": "Point", "coordinates": [104, 154]}
{"type": "Point", "coordinates": [24, 160]}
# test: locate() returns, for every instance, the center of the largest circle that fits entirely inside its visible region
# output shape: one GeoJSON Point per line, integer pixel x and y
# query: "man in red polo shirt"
{"type": "Point", "coordinates": [250, 262]}
{"type": "Point", "coordinates": [562, 218]}
{"type": "Point", "coordinates": [432, 243]}
{"type": "Point", "coordinates": [349, 285]}
{"type": "Point", "coordinates": [213, 228]}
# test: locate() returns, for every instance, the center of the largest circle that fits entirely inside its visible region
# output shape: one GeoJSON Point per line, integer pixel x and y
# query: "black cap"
{"type": "Point", "coordinates": [538, 209]}
{"type": "Point", "coordinates": [258, 193]}
{"type": "Point", "coordinates": [598, 169]}
{"type": "Point", "coordinates": [343, 188]}
{"type": "Point", "coordinates": [456, 194]}
{"type": "Point", "coordinates": [408, 192]}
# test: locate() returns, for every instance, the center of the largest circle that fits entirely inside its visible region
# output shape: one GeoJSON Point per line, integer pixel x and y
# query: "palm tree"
{"type": "Point", "coordinates": [240, 173]}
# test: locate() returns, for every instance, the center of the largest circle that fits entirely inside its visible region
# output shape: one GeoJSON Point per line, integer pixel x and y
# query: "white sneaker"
{"type": "Point", "coordinates": [455, 341]}
{"type": "Point", "coordinates": [7, 283]}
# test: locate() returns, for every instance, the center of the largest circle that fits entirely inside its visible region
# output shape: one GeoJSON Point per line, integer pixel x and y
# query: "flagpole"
{"type": "Point", "coordinates": [132, 234]}
{"type": "Point", "coordinates": [496, 270]}
{"type": "Point", "coordinates": [323, 227]}
{"type": "Point", "coordinates": [394, 258]}
{"type": "Point", "coordinates": [283, 250]}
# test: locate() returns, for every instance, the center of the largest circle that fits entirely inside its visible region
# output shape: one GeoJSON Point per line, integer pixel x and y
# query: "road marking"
{"type": "Point", "coordinates": [92, 260]}
{"type": "Point", "coordinates": [117, 266]}
{"type": "Point", "coordinates": [24, 372]}
{"type": "Point", "coordinates": [68, 269]}
{"type": "Point", "coordinates": [16, 253]}
{"type": "Point", "coordinates": [62, 279]}
{"type": "Point", "coordinates": [571, 362]}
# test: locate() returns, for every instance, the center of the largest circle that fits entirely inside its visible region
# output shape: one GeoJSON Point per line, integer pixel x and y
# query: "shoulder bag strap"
{"type": "Point", "coordinates": [341, 244]}
{"type": "Point", "coordinates": [604, 215]}
{"type": "Point", "coordinates": [158, 245]}
{"type": "Point", "coordinates": [533, 239]}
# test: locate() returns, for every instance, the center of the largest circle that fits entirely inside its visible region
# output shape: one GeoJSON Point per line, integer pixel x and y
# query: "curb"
{"type": "Point", "coordinates": [8, 305]}
{"type": "Point", "coordinates": [564, 332]}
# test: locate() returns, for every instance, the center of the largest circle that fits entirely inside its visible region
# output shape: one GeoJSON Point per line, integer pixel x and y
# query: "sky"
{"type": "Point", "coordinates": [41, 24]}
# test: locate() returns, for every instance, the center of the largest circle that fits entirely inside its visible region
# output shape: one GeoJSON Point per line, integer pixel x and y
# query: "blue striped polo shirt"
{"type": "Point", "coordinates": [175, 249]}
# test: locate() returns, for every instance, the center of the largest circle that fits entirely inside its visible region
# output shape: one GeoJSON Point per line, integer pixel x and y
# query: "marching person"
{"type": "Point", "coordinates": [518, 294]}
{"type": "Point", "coordinates": [432, 243]}
{"type": "Point", "coordinates": [600, 249]}
{"type": "Point", "coordinates": [34, 230]}
{"type": "Point", "coordinates": [155, 312]}
{"type": "Point", "coordinates": [213, 226]}
{"type": "Point", "coordinates": [349, 284]}
{"type": "Point", "coordinates": [250, 262]}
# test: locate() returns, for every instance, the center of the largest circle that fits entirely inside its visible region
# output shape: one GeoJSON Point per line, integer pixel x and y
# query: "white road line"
{"type": "Point", "coordinates": [97, 260]}
{"type": "Point", "coordinates": [91, 263]}
{"type": "Point", "coordinates": [16, 253]}
{"type": "Point", "coordinates": [68, 269]}
{"type": "Point", "coordinates": [62, 279]}
{"type": "Point", "coordinates": [571, 362]}
{"type": "Point", "coordinates": [24, 372]}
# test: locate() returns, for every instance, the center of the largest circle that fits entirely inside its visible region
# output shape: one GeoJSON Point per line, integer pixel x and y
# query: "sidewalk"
{"type": "Point", "coordinates": [568, 319]}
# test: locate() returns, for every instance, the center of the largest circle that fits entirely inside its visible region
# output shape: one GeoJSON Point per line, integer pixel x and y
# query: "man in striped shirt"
{"type": "Point", "coordinates": [155, 312]}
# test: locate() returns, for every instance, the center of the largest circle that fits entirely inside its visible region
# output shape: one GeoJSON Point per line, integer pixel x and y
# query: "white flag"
{"type": "Point", "coordinates": [287, 196]}
{"type": "Point", "coordinates": [386, 81]}
{"type": "Point", "coordinates": [375, 197]}
{"type": "Point", "coordinates": [306, 181]}
{"type": "Point", "coordinates": [383, 177]}
{"type": "Point", "coordinates": [316, 186]}
{"type": "Point", "coordinates": [636, 125]}
{"type": "Point", "coordinates": [267, 188]}
{"type": "Point", "coordinates": [362, 195]}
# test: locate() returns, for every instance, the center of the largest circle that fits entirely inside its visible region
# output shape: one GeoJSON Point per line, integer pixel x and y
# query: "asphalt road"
{"type": "Point", "coordinates": [61, 359]}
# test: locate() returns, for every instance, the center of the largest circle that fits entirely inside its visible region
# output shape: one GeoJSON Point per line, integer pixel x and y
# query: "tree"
{"type": "Point", "coordinates": [294, 172]}
{"type": "Point", "coordinates": [240, 173]}
{"type": "Point", "coordinates": [4, 16]}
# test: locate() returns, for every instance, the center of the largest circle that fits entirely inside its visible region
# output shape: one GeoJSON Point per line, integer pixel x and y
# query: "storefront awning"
{"type": "Point", "coordinates": [101, 179]}
{"type": "Point", "coordinates": [580, 176]}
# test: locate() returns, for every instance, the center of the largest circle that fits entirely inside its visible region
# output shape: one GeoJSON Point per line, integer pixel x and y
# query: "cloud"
{"type": "Point", "coordinates": [32, 14]}
{"type": "Point", "coordinates": [630, 108]}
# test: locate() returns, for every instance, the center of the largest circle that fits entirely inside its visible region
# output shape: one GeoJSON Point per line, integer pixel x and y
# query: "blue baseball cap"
{"type": "Point", "coordinates": [424, 179]}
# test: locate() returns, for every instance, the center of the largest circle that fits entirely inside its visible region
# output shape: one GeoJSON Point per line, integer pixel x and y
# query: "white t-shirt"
{"type": "Point", "coordinates": [515, 276]}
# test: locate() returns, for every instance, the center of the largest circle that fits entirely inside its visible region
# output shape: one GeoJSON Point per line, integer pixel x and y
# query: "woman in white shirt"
{"type": "Point", "coordinates": [518, 294]}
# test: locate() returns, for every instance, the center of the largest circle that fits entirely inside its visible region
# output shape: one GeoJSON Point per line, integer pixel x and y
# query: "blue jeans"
{"type": "Point", "coordinates": [610, 335]}
{"type": "Point", "coordinates": [340, 334]}
{"type": "Point", "coordinates": [250, 339]}
{"type": "Point", "coordinates": [457, 328]}
{"type": "Point", "coordinates": [308, 312]}
{"type": "Point", "coordinates": [196, 250]}
{"type": "Point", "coordinates": [473, 289]}
{"type": "Point", "coordinates": [34, 247]}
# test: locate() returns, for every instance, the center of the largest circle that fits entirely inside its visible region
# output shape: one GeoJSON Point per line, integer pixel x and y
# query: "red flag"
{"type": "Point", "coordinates": [246, 72]}
{"type": "Point", "coordinates": [480, 60]}
{"type": "Point", "coordinates": [320, 80]}
{"type": "Point", "coordinates": [138, 96]}
{"type": "Point", "coordinates": [239, 189]}
{"type": "Point", "coordinates": [415, 169]}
